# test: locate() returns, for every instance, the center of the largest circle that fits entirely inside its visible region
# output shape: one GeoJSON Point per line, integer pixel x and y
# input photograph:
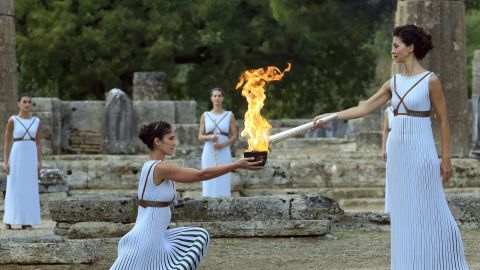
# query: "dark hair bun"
{"type": "Point", "coordinates": [149, 132]}
{"type": "Point", "coordinates": [418, 36]}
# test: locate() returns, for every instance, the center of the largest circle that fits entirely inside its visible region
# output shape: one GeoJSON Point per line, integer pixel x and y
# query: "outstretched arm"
{"type": "Point", "coordinates": [440, 105]}
{"type": "Point", "coordinates": [374, 102]}
{"type": "Point", "coordinates": [190, 175]}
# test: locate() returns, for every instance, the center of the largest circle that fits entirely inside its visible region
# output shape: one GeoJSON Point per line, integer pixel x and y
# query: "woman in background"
{"type": "Point", "coordinates": [217, 131]}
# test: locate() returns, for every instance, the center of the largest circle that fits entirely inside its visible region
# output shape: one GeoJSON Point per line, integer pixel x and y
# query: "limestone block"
{"type": "Point", "coordinates": [82, 230]}
{"type": "Point", "coordinates": [79, 110]}
{"type": "Point", "coordinates": [369, 141]}
{"type": "Point", "coordinates": [60, 252]}
{"type": "Point", "coordinates": [45, 198]}
{"type": "Point", "coordinates": [255, 208]}
{"type": "Point", "coordinates": [314, 207]}
{"type": "Point", "coordinates": [49, 110]}
{"type": "Point", "coordinates": [187, 135]}
{"type": "Point", "coordinates": [185, 112]}
{"type": "Point", "coordinates": [94, 208]}
{"type": "Point", "coordinates": [261, 228]}
{"type": "Point", "coordinates": [148, 111]}
{"type": "Point", "coordinates": [465, 207]}
{"type": "Point", "coordinates": [149, 86]}
{"type": "Point", "coordinates": [274, 174]}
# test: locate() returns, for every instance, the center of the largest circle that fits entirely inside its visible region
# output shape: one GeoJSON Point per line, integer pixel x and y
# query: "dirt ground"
{"type": "Point", "coordinates": [354, 249]}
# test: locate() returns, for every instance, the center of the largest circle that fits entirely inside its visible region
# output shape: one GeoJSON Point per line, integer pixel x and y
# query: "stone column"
{"type": "Point", "coordinates": [444, 19]}
{"type": "Point", "coordinates": [8, 67]}
{"type": "Point", "coordinates": [475, 99]}
{"type": "Point", "coordinates": [149, 86]}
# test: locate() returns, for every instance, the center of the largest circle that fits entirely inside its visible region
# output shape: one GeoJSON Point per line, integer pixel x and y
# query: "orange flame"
{"type": "Point", "coordinates": [253, 83]}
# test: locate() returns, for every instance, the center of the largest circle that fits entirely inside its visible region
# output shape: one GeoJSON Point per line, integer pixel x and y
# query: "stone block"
{"type": "Point", "coordinates": [82, 230]}
{"type": "Point", "coordinates": [185, 112]}
{"type": "Point", "coordinates": [369, 141]}
{"type": "Point", "coordinates": [267, 228]}
{"type": "Point", "coordinates": [60, 252]}
{"type": "Point", "coordinates": [94, 208]}
{"type": "Point", "coordinates": [49, 110]}
{"type": "Point", "coordinates": [148, 111]}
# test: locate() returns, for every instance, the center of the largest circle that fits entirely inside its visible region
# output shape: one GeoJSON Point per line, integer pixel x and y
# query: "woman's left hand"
{"type": "Point", "coordinates": [446, 169]}
{"type": "Point", "coordinates": [218, 146]}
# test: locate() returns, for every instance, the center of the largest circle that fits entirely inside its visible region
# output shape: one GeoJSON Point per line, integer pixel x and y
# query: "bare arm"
{"type": "Point", "coordinates": [8, 144]}
{"type": "Point", "coordinates": [201, 131]}
{"type": "Point", "coordinates": [374, 102]}
{"type": "Point", "coordinates": [190, 175]}
{"type": "Point", "coordinates": [385, 135]}
{"type": "Point", "coordinates": [440, 105]}
{"type": "Point", "coordinates": [38, 141]}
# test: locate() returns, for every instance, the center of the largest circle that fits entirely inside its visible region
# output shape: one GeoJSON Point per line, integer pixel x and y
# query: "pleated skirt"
{"type": "Point", "coordinates": [150, 245]}
{"type": "Point", "coordinates": [424, 234]}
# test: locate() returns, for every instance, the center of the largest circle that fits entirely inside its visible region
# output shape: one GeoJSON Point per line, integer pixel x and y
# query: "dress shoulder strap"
{"type": "Point", "coordinates": [146, 178]}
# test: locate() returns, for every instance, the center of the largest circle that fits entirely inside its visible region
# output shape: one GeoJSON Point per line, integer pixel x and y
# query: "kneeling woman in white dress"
{"type": "Point", "coordinates": [150, 244]}
{"type": "Point", "coordinates": [22, 163]}
{"type": "Point", "coordinates": [218, 131]}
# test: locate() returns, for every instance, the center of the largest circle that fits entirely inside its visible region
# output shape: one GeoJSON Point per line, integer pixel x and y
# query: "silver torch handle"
{"type": "Point", "coordinates": [298, 130]}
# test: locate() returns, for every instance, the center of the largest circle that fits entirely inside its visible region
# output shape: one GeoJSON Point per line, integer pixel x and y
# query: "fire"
{"type": "Point", "coordinates": [253, 83]}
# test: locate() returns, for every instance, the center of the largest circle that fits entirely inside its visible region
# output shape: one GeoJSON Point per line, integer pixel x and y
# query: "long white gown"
{"type": "Point", "coordinates": [423, 231]}
{"type": "Point", "coordinates": [22, 198]}
{"type": "Point", "coordinates": [390, 118]}
{"type": "Point", "coordinates": [150, 244]}
{"type": "Point", "coordinates": [219, 124]}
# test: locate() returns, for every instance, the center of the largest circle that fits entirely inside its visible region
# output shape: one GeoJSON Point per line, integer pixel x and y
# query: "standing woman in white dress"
{"type": "Point", "coordinates": [22, 161]}
{"type": "Point", "coordinates": [218, 131]}
{"type": "Point", "coordinates": [150, 244]}
{"type": "Point", "coordinates": [388, 118]}
{"type": "Point", "coordinates": [424, 234]}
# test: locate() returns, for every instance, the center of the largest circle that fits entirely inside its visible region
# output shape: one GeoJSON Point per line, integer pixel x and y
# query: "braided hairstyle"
{"type": "Point", "coordinates": [419, 37]}
{"type": "Point", "coordinates": [157, 129]}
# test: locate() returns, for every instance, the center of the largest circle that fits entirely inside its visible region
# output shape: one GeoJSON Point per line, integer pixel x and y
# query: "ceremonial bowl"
{"type": "Point", "coordinates": [258, 155]}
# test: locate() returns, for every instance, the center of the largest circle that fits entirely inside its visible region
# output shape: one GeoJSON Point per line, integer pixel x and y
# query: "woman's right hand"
{"type": "Point", "coordinates": [249, 164]}
{"type": "Point", "coordinates": [384, 155]}
{"type": "Point", "coordinates": [6, 167]}
{"type": "Point", "coordinates": [213, 138]}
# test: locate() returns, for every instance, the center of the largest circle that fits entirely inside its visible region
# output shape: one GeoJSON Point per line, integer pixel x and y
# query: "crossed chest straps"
{"type": "Point", "coordinates": [401, 102]}
{"type": "Point", "coordinates": [220, 131]}
{"type": "Point", "coordinates": [144, 203]}
{"type": "Point", "coordinates": [30, 138]}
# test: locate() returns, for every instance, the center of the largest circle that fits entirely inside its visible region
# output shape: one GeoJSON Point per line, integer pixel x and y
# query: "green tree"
{"type": "Point", "coordinates": [79, 49]}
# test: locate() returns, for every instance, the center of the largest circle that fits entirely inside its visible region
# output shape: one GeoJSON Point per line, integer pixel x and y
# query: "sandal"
{"type": "Point", "coordinates": [7, 227]}
{"type": "Point", "coordinates": [27, 227]}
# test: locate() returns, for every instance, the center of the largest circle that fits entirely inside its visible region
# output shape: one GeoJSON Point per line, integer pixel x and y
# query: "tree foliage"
{"type": "Point", "coordinates": [79, 49]}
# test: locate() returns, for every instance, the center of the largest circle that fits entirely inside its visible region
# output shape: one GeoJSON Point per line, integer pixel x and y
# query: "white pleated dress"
{"type": "Point", "coordinates": [22, 198]}
{"type": "Point", "coordinates": [218, 124]}
{"type": "Point", "coordinates": [424, 234]}
{"type": "Point", "coordinates": [390, 118]}
{"type": "Point", "coordinates": [150, 244]}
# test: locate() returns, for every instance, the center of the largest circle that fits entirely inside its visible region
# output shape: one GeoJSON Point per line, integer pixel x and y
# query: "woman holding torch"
{"type": "Point", "coordinates": [424, 234]}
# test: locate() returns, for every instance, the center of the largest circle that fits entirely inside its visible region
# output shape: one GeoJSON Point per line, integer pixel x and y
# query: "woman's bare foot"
{"type": "Point", "coordinates": [27, 227]}
{"type": "Point", "coordinates": [7, 227]}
